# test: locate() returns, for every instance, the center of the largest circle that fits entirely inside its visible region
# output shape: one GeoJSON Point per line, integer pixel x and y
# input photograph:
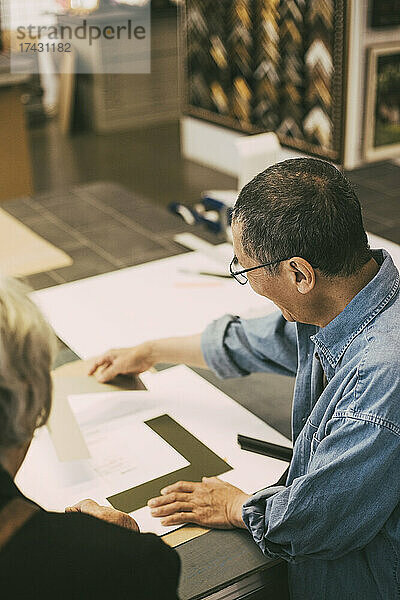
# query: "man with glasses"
{"type": "Point", "coordinates": [299, 240]}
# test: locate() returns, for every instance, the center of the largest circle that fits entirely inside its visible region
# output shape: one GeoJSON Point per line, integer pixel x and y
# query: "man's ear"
{"type": "Point", "coordinates": [304, 274]}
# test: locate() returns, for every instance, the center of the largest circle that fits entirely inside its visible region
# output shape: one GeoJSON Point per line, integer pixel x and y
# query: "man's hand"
{"type": "Point", "coordinates": [105, 513]}
{"type": "Point", "coordinates": [133, 361]}
{"type": "Point", "coordinates": [211, 503]}
{"type": "Point", "coordinates": [123, 361]}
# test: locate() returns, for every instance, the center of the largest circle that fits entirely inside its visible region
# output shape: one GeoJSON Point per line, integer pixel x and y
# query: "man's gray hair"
{"type": "Point", "coordinates": [27, 348]}
{"type": "Point", "coordinates": [303, 207]}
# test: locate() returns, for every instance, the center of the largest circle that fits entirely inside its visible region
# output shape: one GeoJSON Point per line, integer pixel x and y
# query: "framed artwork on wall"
{"type": "Point", "coordinates": [265, 65]}
{"type": "Point", "coordinates": [382, 114]}
{"type": "Point", "coordinates": [385, 13]}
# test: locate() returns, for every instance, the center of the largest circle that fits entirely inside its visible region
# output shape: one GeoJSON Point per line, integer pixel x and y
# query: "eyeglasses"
{"type": "Point", "coordinates": [239, 272]}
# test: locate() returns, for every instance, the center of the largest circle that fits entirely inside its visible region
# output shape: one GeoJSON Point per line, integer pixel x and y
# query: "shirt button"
{"type": "Point", "coordinates": [316, 355]}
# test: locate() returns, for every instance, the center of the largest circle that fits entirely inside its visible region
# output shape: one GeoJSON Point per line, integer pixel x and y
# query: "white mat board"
{"type": "Point", "coordinates": [155, 300]}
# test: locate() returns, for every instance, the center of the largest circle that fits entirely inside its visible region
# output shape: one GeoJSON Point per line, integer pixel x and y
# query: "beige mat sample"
{"type": "Point", "coordinates": [70, 379]}
{"type": "Point", "coordinates": [23, 252]}
{"type": "Point", "coordinates": [183, 535]}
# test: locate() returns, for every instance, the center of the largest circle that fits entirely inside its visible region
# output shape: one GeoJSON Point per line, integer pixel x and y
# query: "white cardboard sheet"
{"type": "Point", "coordinates": [155, 300]}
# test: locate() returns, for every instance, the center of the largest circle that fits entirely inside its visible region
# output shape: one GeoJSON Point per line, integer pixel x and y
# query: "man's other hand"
{"type": "Point", "coordinates": [105, 513]}
{"type": "Point", "coordinates": [123, 361]}
{"type": "Point", "coordinates": [211, 503]}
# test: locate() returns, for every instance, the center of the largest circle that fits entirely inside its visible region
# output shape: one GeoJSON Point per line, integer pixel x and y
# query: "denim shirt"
{"type": "Point", "coordinates": [337, 520]}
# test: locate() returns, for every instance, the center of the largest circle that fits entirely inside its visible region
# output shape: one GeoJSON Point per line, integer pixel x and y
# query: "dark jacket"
{"type": "Point", "coordinates": [75, 556]}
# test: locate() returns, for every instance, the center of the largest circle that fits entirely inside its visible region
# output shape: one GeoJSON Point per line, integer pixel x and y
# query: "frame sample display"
{"type": "Point", "coordinates": [268, 65]}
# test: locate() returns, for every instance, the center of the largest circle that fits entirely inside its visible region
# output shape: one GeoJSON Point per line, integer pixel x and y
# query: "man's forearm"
{"type": "Point", "coordinates": [179, 350]}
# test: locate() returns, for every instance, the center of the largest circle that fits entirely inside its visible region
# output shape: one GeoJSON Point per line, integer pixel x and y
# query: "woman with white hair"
{"type": "Point", "coordinates": [42, 554]}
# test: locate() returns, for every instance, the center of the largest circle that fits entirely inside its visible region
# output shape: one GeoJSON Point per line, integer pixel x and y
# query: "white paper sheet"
{"type": "Point", "coordinates": [124, 451]}
{"type": "Point", "coordinates": [209, 414]}
{"type": "Point", "coordinates": [155, 300]}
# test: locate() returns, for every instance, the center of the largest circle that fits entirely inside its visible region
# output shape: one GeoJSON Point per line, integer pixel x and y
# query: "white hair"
{"type": "Point", "coordinates": [27, 348]}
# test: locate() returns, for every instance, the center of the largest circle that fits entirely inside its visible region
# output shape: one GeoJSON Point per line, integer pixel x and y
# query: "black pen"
{"type": "Point", "coordinates": [265, 448]}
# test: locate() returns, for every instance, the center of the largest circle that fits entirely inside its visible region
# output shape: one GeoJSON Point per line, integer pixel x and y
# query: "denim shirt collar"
{"type": "Point", "coordinates": [333, 339]}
